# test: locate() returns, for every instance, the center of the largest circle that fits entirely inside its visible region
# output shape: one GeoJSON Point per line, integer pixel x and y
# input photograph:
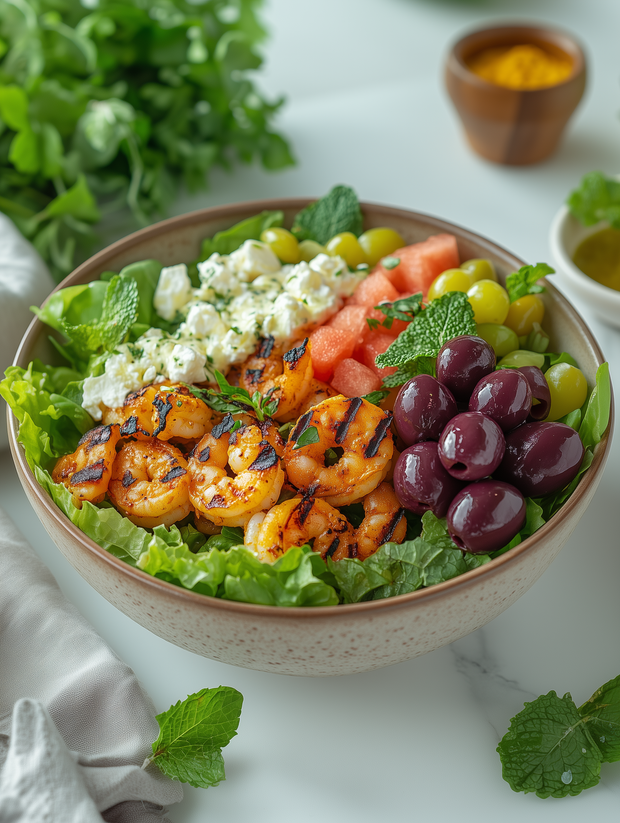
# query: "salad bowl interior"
{"type": "Point", "coordinates": [313, 641]}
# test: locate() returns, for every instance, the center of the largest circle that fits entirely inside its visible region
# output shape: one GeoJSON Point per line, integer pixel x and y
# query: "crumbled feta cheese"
{"type": "Point", "coordinates": [218, 279]}
{"type": "Point", "coordinates": [186, 365]}
{"type": "Point", "coordinates": [288, 314]}
{"type": "Point", "coordinates": [202, 320]}
{"type": "Point", "coordinates": [174, 290]}
{"type": "Point", "coordinates": [122, 375]}
{"type": "Point", "coordinates": [336, 274]}
{"type": "Point", "coordinates": [254, 258]}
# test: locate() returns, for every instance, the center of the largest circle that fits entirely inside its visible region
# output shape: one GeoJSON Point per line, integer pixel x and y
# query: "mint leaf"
{"type": "Point", "coordinates": [307, 437]}
{"type": "Point", "coordinates": [597, 198]}
{"type": "Point", "coordinates": [376, 397]}
{"type": "Point", "coordinates": [602, 714]}
{"type": "Point", "coordinates": [404, 309]}
{"type": "Point", "coordinates": [445, 318]}
{"type": "Point", "coordinates": [598, 409]}
{"type": "Point", "coordinates": [193, 733]}
{"type": "Point", "coordinates": [118, 313]}
{"type": "Point", "coordinates": [337, 211]}
{"type": "Point", "coordinates": [525, 281]}
{"type": "Point", "coordinates": [390, 263]}
{"type": "Point", "coordinates": [549, 750]}
{"type": "Point", "coordinates": [225, 242]}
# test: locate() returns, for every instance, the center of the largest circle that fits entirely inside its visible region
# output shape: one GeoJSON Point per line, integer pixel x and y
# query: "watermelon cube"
{"type": "Point", "coordinates": [375, 289]}
{"type": "Point", "coordinates": [353, 379]}
{"type": "Point", "coordinates": [422, 262]}
{"type": "Point", "coordinates": [375, 343]}
{"type": "Point", "coordinates": [328, 347]}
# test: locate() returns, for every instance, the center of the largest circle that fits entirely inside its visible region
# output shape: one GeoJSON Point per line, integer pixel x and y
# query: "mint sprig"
{"type": "Point", "coordinates": [446, 317]}
{"type": "Point", "coordinates": [192, 734]}
{"type": "Point", "coordinates": [596, 199]}
{"type": "Point", "coordinates": [336, 212]}
{"type": "Point", "coordinates": [525, 281]}
{"type": "Point", "coordinates": [407, 308]}
{"type": "Point", "coordinates": [555, 749]}
{"type": "Point", "coordinates": [237, 400]}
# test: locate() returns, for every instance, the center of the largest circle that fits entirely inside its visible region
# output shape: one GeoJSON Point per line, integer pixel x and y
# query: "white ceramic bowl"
{"type": "Point", "coordinates": [565, 235]}
{"type": "Point", "coordinates": [331, 640]}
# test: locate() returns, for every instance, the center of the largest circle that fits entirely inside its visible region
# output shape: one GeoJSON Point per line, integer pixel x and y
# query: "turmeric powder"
{"type": "Point", "coordinates": [521, 67]}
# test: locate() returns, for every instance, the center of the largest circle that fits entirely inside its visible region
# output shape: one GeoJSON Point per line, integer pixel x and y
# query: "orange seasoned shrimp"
{"type": "Point", "coordinates": [150, 483]}
{"type": "Point", "coordinates": [285, 378]}
{"type": "Point", "coordinates": [317, 392]}
{"type": "Point", "coordinates": [294, 523]}
{"type": "Point", "coordinates": [384, 522]}
{"type": "Point", "coordinates": [302, 519]}
{"type": "Point", "coordinates": [253, 454]}
{"type": "Point", "coordinates": [86, 472]}
{"type": "Point", "coordinates": [165, 411]}
{"type": "Point", "coordinates": [358, 432]}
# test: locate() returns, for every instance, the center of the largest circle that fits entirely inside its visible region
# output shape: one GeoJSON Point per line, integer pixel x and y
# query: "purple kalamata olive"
{"type": "Point", "coordinates": [541, 397]}
{"type": "Point", "coordinates": [462, 362]}
{"type": "Point", "coordinates": [471, 446]}
{"type": "Point", "coordinates": [541, 458]}
{"type": "Point", "coordinates": [485, 516]}
{"type": "Point", "coordinates": [505, 396]}
{"type": "Point", "coordinates": [421, 482]}
{"type": "Point", "coordinates": [422, 409]}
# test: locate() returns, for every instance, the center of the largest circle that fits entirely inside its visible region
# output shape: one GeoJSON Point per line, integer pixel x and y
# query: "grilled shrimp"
{"type": "Point", "coordinates": [165, 411]}
{"type": "Point", "coordinates": [355, 429]}
{"type": "Point", "coordinates": [253, 455]}
{"type": "Point", "coordinates": [294, 523]}
{"type": "Point", "coordinates": [86, 472]}
{"type": "Point", "coordinates": [150, 483]}
{"type": "Point", "coordinates": [285, 378]}
{"type": "Point", "coordinates": [317, 392]}
{"type": "Point", "coordinates": [302, 519]}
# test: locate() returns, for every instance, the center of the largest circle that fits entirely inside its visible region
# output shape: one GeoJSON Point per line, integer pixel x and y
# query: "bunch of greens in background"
{"type": "Point", "coordinates": [109, 104]}
{"type": "Point", "coordinates": [555, 749]}
{"type": "Point", "coordinates": [597, 198]}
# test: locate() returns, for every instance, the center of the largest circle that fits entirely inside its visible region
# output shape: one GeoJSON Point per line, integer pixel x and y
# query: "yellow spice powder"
{"type": "Point", "coordinates": [521, 67]}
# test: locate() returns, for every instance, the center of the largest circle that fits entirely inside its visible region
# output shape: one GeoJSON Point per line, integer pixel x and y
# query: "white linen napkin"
{"type": "Point", "coordinates": [75, 725]}
{"type": "Point", "coordinates": [24, 281]}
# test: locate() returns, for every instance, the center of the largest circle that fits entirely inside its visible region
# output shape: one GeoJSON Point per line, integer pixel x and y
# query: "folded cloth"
{"type": "Point", "coordinates": [75, 725]}
{"type": "Point", "coordinates": [24, 281]}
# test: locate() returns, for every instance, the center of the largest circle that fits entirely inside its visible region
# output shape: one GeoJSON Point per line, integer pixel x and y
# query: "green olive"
{"type": "Point", "coordinates": [501, 339]}
{"type": "Point", "coordinates": [308, 250]}
{"type": "Point", "coordinates": [480, 269]}
{"type": "Point", "coordinates": [568, 389]}
{"type": "Point", "coordinates": [283, 244]}
{"type": "Point", "coordinates": [449, 280]}
{"type": "Point", "coordinates": [489, 301]}
{"type": "Point", "coordinates": [347, 246]}
{"type": "Point", "coordinates": [524, 312]}
{"type": "Point", "coordinates": [515, 359]}
{"type": "Point", "coordinates": [378, 243]}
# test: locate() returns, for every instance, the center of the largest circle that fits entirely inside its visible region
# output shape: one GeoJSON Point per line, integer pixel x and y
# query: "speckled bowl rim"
{"type": "Point", "coordinates": [463, 582]}
{"type": "Point", "coordinates": [551, 33]}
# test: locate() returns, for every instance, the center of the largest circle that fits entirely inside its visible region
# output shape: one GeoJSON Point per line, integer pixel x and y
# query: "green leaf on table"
{"type": "Point", "coordinates": [118, 313]}
{"type": "Point", "coordinates": [225, 242]}
{"type": "Point", "coordinates": [602, 714]}
{"type": "Point", "coordinates": [596, 199]}
{"type": "Point", "coordinates": [525, 281]}
{"type": "Point", "coordinates": [194, 732]}
{"type": "Point", "coordinates": [446, 317]}
{"type": "Point", "coordinates": [338, 211]}
{"type": "Point", "coordinates": [548, 749]}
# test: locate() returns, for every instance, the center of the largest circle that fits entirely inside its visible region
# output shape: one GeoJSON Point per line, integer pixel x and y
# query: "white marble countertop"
{"type": "Point", "coordinates": [417, 740]}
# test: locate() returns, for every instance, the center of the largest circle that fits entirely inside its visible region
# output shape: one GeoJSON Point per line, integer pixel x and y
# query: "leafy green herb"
{"type": "Point", "coordinates": [192, 734]}
{"type": "Point", "coordinates": [598, 409]}
{"type": "Point", "coordinates": [555, 749]}
{"type": "Point", "coordinates": [337, 211]}
{"type": "Point", "coordinates": [118, 313]}
{"type": "Point", "coordinates": [390, 263]}
{"type": "Point", "coordinates": [525, 281]}
{"type": "Point", "coordinates": [446, 317]}
{"type": "Point", "coordinates": [597, 198]}
{"type": "Point", "coordinates": [228, 538]}
{"type": "Point", "coordinates": [307, 438]}
{"type": "Point", "coordinates": [551, 358]}
{"type": "Point", "coordinates": [407, 308]}
{"type": "Point", "coordinates": [225, 242]}
{"type": "Point", "coordinates": [111, 104]}
{"type": "Point", "coordinates": [236, 400]}
{"type": "Point", "coordinates": [376, 397]}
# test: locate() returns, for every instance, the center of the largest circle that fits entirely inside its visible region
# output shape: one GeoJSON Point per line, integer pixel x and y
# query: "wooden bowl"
{"type": "Point", "coordinates": [334, 640]}
{"type": "Point", "coordinates": [506, 125]}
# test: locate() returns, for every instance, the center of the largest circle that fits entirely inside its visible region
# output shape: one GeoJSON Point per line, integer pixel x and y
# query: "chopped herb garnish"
{"type": "Point", "coordinates": [307, 437]}
{"type": "Point", "coordinates": [390, 262]}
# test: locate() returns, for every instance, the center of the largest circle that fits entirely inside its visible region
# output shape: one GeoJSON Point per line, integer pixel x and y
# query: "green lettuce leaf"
{"type": "Point", "coordinates": [225, 242]}
{"type": "Point", "coordinates": [598, 409]}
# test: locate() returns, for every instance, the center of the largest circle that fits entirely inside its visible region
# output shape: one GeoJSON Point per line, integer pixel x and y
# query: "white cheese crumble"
{"type": "Point", "coordinates": [241, 297]}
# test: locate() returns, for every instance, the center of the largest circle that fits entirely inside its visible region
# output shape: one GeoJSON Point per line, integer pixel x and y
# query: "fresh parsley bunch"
{"type": "Point", "coordinates": [109, 104]}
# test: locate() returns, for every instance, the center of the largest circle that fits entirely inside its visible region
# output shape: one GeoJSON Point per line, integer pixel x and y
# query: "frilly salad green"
{"type": "Point", "coordinates": [94, 320]}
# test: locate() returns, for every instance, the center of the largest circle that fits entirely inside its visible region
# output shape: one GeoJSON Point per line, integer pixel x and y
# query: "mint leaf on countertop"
{"type": "Point", "coordinates": [337, 211]}
{"type": "Point", "coordinates": [444, 318]}
{"type": "Point", "coordinates": [525, 281]}
{"type": "Point", "coordinates": [192, 734]}
{"type": "Point", "coordinates": [596, 199]}
{"type": "Point", "coordinates": [602, 713]}
{"type": "Point", "coordinates": [549, 750]}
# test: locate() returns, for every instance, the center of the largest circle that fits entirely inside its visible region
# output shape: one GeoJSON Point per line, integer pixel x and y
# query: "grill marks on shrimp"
{"type": "Point", "coordinates": [294, 355]}
{"type": "Point", "coordinates": [164, 407]}
{"type": "Point", "coordinates": [349, 416]}
{"type": "Point", "coordinates": [224, 427]}
{"type": "Point", "coordinates": [265, 347]}
{"type": "Point", "coordinates": [176, 471]}
{"type": "Point", "coordinates": [301, 426]}
{"type": "Point", "coordinates": [95, 437]}
{"type": "Point", "coordinates": [89, 474]}
{"type": "Point", "coordinates": [372, 447]}
{"type": "Point", "coordinates": [266, 459]}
